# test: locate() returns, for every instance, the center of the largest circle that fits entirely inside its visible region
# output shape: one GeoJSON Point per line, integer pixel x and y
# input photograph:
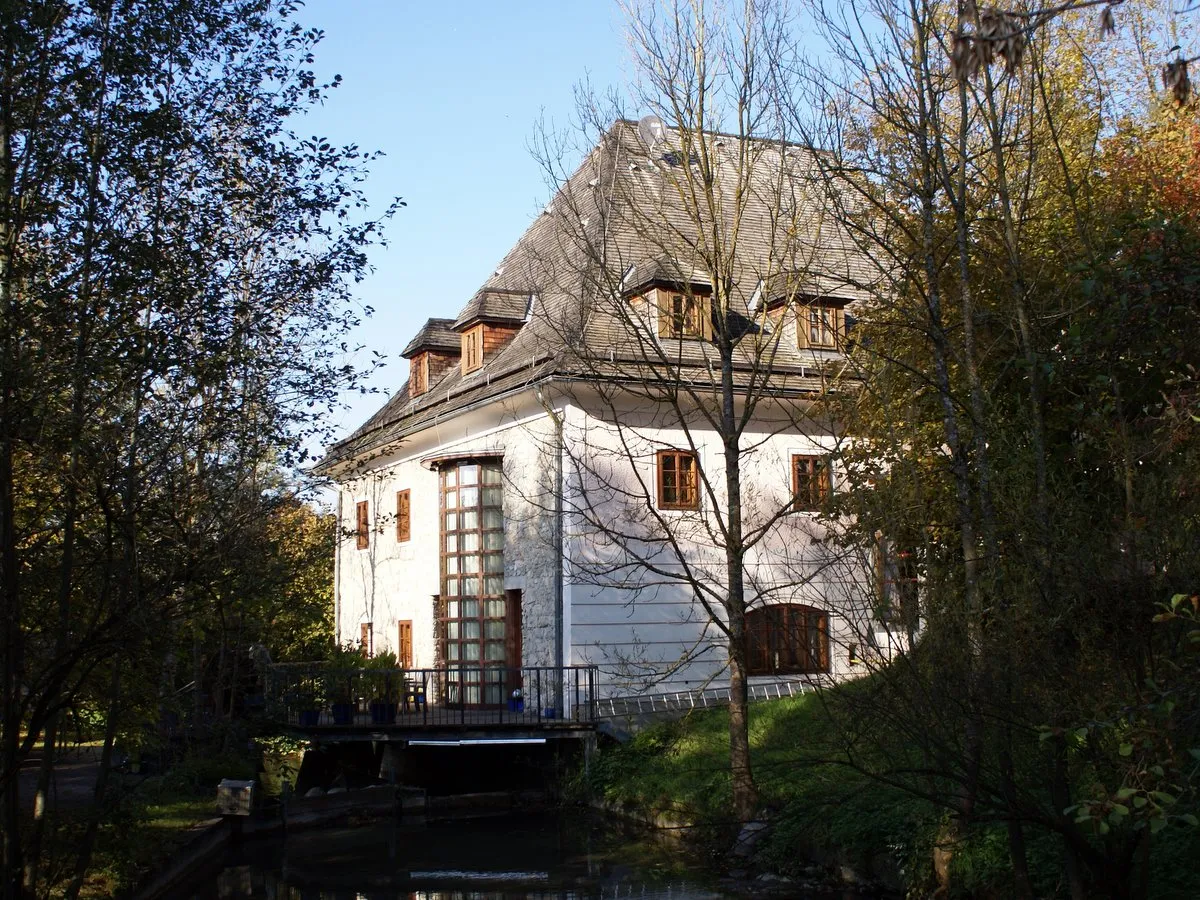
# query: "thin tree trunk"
{"type": "Point", "coordinates": [745, 793]}
{"type": "Point", "coordinates": [10, 599]}
{"type": "Point", "coordinates": [88, 844]}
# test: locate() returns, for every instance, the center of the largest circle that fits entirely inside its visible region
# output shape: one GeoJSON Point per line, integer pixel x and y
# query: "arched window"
{"type": "Point", "coordinates": [787, 639]}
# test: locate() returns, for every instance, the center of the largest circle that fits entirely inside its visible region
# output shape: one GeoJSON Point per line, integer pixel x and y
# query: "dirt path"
{"type": "Point", "coordinates": [74, 781]}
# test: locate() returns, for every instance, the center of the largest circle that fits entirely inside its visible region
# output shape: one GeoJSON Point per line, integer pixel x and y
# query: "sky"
{"type": "Point", "coordinates": [452, 93]}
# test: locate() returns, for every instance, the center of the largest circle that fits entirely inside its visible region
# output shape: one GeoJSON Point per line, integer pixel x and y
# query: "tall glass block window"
{"type": "Point", "coordinates": [472, 534]}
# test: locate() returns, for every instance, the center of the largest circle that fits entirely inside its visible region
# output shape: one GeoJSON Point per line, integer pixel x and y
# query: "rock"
{"type": "Point", "coordinates": [748, 837]}
{"type": "Point", "coordinates": [336, 790]}
{"type": "Point", "coordinates": [314, 792]}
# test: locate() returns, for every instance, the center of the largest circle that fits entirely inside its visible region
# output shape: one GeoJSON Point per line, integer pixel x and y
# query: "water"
{"type": "Point", "coordinates": [510, 858]}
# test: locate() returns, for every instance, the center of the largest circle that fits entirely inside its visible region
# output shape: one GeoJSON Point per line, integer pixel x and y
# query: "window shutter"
{"type": "Point", "coordinates": [403, 518]}
{"type": "Point", "coordinates": [362, 525]}
{"type": "Point", "coordinates": [664, 302]}
{"type": "Point", "coordinates": [404, 644]}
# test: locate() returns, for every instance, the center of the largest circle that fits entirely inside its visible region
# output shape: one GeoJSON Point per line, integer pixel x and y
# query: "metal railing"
{"type": "Point", "coordinates": [701, 698]}
{"type": "Point", "coordinates": [316, 695]}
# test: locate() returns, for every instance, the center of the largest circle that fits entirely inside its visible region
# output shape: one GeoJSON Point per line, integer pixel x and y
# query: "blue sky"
{"type": "Point", "coordinates": [452, 92]}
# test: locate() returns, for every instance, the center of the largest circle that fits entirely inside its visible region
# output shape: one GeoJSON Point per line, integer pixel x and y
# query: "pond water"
{"type": "Point", "coordinates": [575, 856]}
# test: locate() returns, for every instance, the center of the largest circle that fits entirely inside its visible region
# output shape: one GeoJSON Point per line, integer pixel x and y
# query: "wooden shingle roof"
{"type": "Point", "coordinates": [493, 305]}
{"type": "Point", "coordinates": [437, 335]}
{"type": "Point", "coordinates": [619, 221]}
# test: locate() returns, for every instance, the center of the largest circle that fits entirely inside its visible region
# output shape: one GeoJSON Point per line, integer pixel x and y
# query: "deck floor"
{"type": "Point", "coordinates": [441, 717]}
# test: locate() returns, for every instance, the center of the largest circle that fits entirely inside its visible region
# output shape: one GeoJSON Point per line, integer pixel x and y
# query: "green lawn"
{"type": "Point", "coordinates": [829, 810]}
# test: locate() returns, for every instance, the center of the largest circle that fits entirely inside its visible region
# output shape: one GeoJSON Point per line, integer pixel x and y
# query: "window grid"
{"type": "Point", "coordinates": [810, 482]}
{"type": "Point", "coordinates": [678, 480]}
{"type": "Point", "coordinates": [787, 639]}
{"type": "Point", "coordinates": [819, 326]}
{"type": "Point", "coordinates": [472, 551]}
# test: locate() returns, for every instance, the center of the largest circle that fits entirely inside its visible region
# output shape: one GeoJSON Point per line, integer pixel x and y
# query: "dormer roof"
{"type": "Point", "coordinates": [496, 307]}
{"type": "Point", "coordinates": [663, 271]}
{"type": "Point", "coordinates": [436, 335]}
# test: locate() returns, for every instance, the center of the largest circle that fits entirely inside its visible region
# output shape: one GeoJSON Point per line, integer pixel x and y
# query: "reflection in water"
{"type": "Point", "coordinates": [519, 858]}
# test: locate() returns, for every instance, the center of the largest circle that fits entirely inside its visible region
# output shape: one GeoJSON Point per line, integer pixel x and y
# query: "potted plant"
{"type": "Point", "coordinates": [309, 697]}
{"type": "Point", "coordinates": [342, 674]}
{"type": "Point", "coordinates": [385, 681]}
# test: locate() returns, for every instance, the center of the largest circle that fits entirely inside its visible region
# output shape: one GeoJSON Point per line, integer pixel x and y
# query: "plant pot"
{"type": "Point", "coordinates": [343, 713]}
{"type": "Point", "coordinates": [382, 713]}
{"type": "Point", "coordinates": [309, 718]}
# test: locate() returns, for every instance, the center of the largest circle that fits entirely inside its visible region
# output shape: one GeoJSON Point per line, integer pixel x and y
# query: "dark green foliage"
{"type": "Point", "coordinates": [824, 810]}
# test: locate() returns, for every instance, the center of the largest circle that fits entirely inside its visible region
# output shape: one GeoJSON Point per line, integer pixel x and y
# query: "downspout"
{"type": "Point", "coordinates": [559, 559]}
{"type": "Point", "coordinates": [337, 573]}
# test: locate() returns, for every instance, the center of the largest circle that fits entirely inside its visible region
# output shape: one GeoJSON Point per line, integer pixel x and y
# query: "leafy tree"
{"type": "Point", "coordinates": [175, 268]}
{"type": "Point", "coordinates": [1019, 386]}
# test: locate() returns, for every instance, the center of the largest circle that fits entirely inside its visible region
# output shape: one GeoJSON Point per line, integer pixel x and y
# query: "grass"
{"type": "Point", "coordinates": [826, 811]}
{"type": "Point", "coordinates": [151, 821]}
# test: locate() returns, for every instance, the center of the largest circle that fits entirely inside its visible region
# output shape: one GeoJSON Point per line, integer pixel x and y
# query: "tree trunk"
{"type": "Point", "coordinates": [84, 857]}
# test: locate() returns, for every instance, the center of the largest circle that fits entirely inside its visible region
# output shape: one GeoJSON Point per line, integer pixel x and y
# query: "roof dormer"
{"type": "Point", "coordinates": [435, 349]}
{"type": "Point", "coordinates": [488, 323]}
{"type": "Point", "coordinates": [679, 302]}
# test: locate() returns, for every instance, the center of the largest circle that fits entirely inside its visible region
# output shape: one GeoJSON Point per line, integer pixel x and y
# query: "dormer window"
{"type": "Point", "coordinates": [819, 326]}
{"type": "Point", "coordinates": [684, 316]}
{"type": "Point", "coordinates": [472, 349]}
{"type": "Point", "coordinates": [418, 375]}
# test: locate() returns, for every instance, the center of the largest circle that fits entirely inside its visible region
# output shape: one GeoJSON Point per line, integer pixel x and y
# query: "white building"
{"type": "Point", "coordinates": [549, 488]}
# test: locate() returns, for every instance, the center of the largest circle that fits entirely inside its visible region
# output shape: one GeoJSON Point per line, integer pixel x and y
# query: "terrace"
{"type": "Point", "coordinates": [464, 703]}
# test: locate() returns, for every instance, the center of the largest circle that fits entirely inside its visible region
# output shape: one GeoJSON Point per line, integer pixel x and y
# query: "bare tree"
{"type": "Point", "coordinates": [699, 307]}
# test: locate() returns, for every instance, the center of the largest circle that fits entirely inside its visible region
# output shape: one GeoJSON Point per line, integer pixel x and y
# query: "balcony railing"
{"type": "Point", "coordinates": [316, 695]}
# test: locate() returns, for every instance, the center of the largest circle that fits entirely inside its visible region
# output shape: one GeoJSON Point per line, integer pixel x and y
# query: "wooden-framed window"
{"type": "Point", "coordinates": [684, 316]}
{"type": "Point", "coordinates": [472, 349]}
{"type": "Point", "coordinates": [897, 582]}
{"type": "Point", "coordinates": [364, 639]}
{"type": "Point", "coordinates": [404, 644]}
{"type": "Point", "coordinates": [787, 639]}
{"type": "Point", "coordinates": [810, 481]}
{"type": "Point", "coordinates": [362, 525]}
{"type": "Point", "coordinates": [473, 607]}
{"type": "Point", "coordinates": [819, 326]}
{"type": "Point", "coordinates": [678, 480]}
{"type": "Point", "coordinates": [403, 515]}
{"type": "Point", "coordinates": [418, 375]}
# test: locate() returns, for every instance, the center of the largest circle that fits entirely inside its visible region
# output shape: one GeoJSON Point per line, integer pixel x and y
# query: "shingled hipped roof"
{"type": "Point", "coordinates": [619, 222]}
{"type": "Point", "coordinates": [498, 306]}
{"type": "Point", "coordinates": [437, 335]}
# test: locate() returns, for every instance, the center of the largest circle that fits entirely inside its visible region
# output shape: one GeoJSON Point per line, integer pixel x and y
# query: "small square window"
{"type": "Point", "coordinates": [683, 316]}
{"type": "Point", "coordinates": [472, 349]}
{"type": "Point", "coordinates": [678, 480]}
{"type": "Point", "coordinates": [819, 326]}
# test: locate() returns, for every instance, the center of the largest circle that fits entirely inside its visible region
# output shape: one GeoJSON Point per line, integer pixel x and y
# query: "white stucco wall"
{"type": "Point", "coordinates": [645, 631]}
{"type": "Point", "coordinates": [391, 581]}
